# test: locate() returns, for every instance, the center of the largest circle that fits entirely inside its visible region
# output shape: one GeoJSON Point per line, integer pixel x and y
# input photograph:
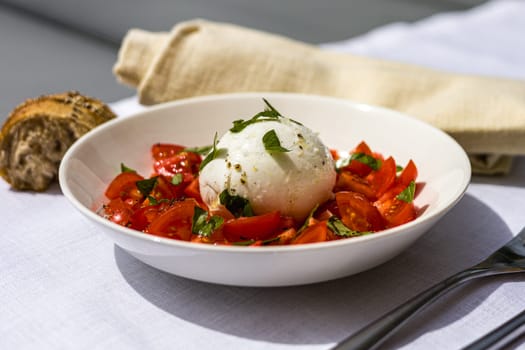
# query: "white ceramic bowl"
{"type": "Point", "coordinates": [91, 163]}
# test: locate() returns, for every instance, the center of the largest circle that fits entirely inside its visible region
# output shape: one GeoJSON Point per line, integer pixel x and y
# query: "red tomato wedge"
{"type": "Point", "coordinates": [395, 211]}
{"type": "Point", "coordinates": [346, 181]}
{"type": "Point", "coordinates": [118, 211]}
{"type": "Point", "coordinates": [380, 180]}
{"type": "Point", "coordinates": [358, 167]}
{"type": "Point", "coordinates": [142, 217]}
{"type": "Point", "coordinates": [193, 191]}
{"type": "Point", "coordinates": [124, 186]}
{"type": "Point", "coordinates": [175, 222]}
{"type": "Point", "coordinates": [357, 213]}
{"type": "Point", "coordinates": [260, 227]}
{"type": "Point", "coordinates": [315, 233]}
{"type": "Point", "coordinates": [165, 150]}
{"type": "Point", "coordinates": [185, 163]}
{"type": "Point", "coordinates": [164, 189]}
{"type": "Point", "coordinates": [408, 174]}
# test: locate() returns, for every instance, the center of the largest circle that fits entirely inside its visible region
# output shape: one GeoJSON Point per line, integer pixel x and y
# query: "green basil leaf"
{"type": "Point", "coordinates": [408, 193]}
{"type": "Point", "coordinates": [272, 143]}
{"type": "Point", "coordinates": [152, 200]}
{"type": "Point", "coordinates": [271, 108]}
{"type": "Point", "coordinates": [146, 186]}
{"type": "Point", "coordinates": [213, 153]}
{"type": "Point", "coordinates": [372, 162]}
{"type": "Point", "coordinates": [176, 179]}
{"type": "Point", "coordinates": [125, 169]}
{"type": "Point", "coordinates": [340, 229]}
{"type": "Point", "coordinates": [237, 205]}
{"type": "Point", "coordinates": [155, 201]}
{"type": "Point", "coordinates": [305, 224]}
{"type": "Point", "coordinates": [269, 114]}
{"type": "Point", "coordinates": [203, 226]}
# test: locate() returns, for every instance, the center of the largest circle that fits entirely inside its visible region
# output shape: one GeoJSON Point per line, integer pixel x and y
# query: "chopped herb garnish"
{"type": "Point", "coordinates": [125, 169]}
{"type": "Point", "coordinates": [146, 186]}
{"type": "Point", "coordinates": [200, 150]}
{"type": "Point", "coordinates": [213, 153]}
{"type": "Point", "coordinates": [366, 159]}
{"type": "Point", "coordinates": [237, 205]}
{"type": "Point", "coordinates": [272, 143]}
{"type": "Point", "coordinates": [399, 168]}
{"type": "Point", "coordinates": [307, 220]}
{"type": "Point", "coordinates": [408, 193]}
{"type": "Point", "coordinates": [176, 179]}
{"type": "Point", "coordinates": [264, 116]}
{"type": "Point", "coordinates": [270, 107]}
{"type": "Point", "coordinates": [269, 114]}
{"type": "Point", "coordinates": [152, 200]}
{"type": "Point", "coordinates": [203, 226]}
{"type": "Point", "coordinates": [340, 229]}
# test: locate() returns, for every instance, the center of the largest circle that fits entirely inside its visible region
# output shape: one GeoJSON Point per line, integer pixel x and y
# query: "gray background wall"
{"type": "Point", "coordinates": [57, 45]}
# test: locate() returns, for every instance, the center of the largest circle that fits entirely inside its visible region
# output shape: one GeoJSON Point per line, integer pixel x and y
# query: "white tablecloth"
{"type": "Point", "coordinates": [63, 285]}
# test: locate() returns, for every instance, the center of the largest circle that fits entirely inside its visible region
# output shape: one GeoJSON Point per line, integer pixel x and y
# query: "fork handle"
{"type": "Point", "coordinates": [378, 331]}
{"type": "Point", "coordinates": [501, 336]}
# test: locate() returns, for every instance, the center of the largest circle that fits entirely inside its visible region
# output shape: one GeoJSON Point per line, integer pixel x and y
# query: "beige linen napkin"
{"type": "Point", "coordinates": [485, 115]}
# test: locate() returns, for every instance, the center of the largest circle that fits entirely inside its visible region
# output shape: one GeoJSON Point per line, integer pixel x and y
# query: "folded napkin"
{"type": "Point", "coordinates": [485, 115]}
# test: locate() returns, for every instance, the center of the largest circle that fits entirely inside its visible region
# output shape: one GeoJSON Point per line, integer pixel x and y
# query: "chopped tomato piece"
{"type": "Point", "coordinates": [326, 210]}
{"type": "Point", "coordinates": [223, 212]}
{"type": "Point", "coordinates": [315, 233]}
{"type": "Point", "coordinates": [357, 213]}
{"type": "Point", "coordinates": [380, 180]}
{"type": "Point", "coordinates": [193, 191]}
{"type": "Point", "coordinates": [165, 150]}
{"type": "Point", "coordinates": [175, 222]}
{"type": "Point", "coordinates": [346, 181]}
{"type": "Point", "coordinates": [392, 192]}
{"type": "Point", "coordinates": [287, 222]}
{"type": "Point", "coordinates": [335, 154]}
{"type": "Point", "coordinates": [408, 174]}
{"type": "Point", "coordinates": [356, 166]}
{"type": "Point", "coordinates": [142, 217]}
{"type": "Point", "coordinates": [216, 237]}
{"type": "Point", "coordinates": [118, 211]}
{"type": "Point", "coordinates": [395, 211]}
{"type": "Point", "coordinates": [185, 163]}
{"type": "Point", "coordinates": [260, 227]}
{"type": "Point", "coordinates": [362, 147]}
{"type": "Point", "coordinates": [123, 185]}
{"type": "Point", "coordinates": [286, 236]}
{"type": "Point", "coordinates": [164, 189]}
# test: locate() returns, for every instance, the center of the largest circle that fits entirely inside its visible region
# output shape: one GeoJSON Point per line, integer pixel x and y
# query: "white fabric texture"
{"type": "Point", "coordinates": [65, 285]}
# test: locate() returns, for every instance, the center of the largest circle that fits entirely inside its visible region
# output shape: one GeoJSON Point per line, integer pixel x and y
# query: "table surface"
{"type": "Point", "coordinates": [65, 285]}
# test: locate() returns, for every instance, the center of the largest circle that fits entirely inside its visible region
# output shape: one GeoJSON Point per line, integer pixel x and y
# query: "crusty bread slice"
{"type": "Point", "coordinates": [38, 132]}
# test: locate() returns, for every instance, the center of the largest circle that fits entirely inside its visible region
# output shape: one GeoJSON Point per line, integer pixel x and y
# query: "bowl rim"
{"type": "Point", "coordinates": [380, 235]}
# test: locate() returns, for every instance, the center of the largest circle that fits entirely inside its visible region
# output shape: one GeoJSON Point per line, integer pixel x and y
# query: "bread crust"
{"type": "Point", "coordinates": [39, 131]}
